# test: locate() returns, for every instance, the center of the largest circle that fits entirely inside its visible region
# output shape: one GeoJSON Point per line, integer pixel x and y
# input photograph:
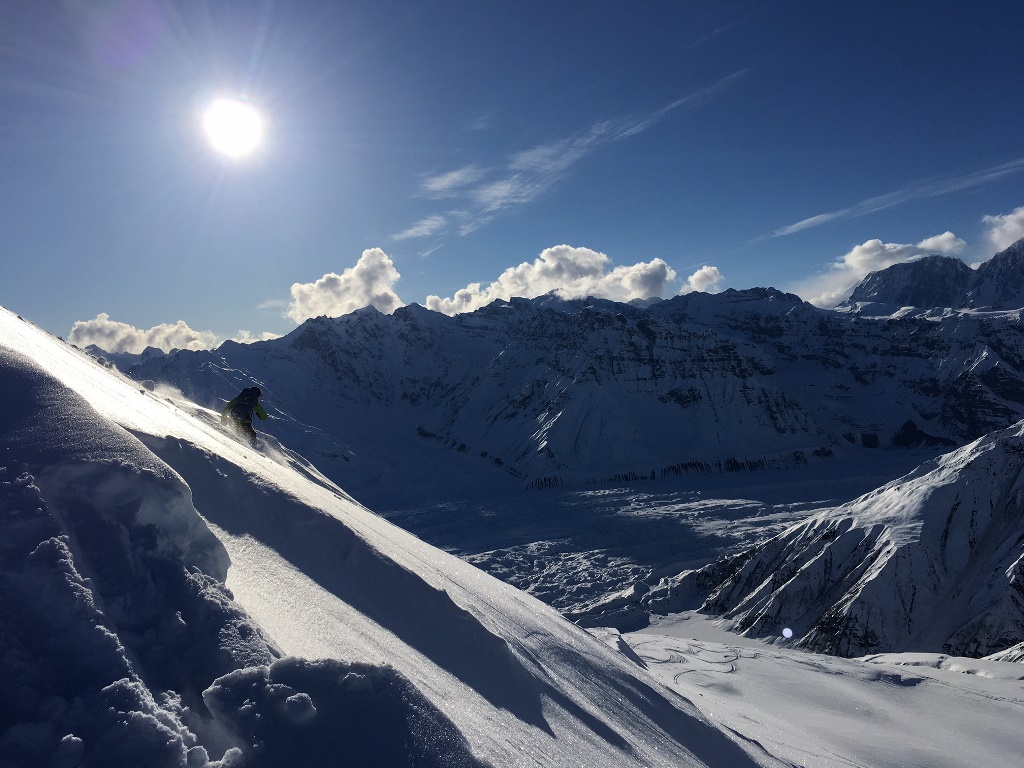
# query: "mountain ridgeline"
{"type": "Point", "coordinates": [945, 282]}
{"type": "Point", "coordinates": [550, 392]}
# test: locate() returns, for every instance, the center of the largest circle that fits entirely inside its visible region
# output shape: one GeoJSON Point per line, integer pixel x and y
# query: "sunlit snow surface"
{"type": "Point", "coordinates": [813, 710]}
{"type": "Point", "coordinates": [455, 667]}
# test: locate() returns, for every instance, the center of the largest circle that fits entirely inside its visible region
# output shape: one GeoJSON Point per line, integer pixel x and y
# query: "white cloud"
{"type": "Point", "coordinates": [245, 337]}
{"type": "Point", "coordinates": [527, 174]}
{"type": "Point", "coordinates": [704, 279]}
{"type": "Point", "coordinates": [446, 184]}
{"type": "Point", "coordinates": [569, 272]}
{"type": "Point", "coordinates": [813, 221]}
{"type": "Point", "coordinates": [923, 189]}
{"type": "Point", "coordinates": [1006, 229]}
{"type": "Point", "coordinates": [830, 288]}
{"type": "Point", "coordinates": [423, 228]}
{"type": "Point", "coordinates": [369, 283]}
{"type": "Point", "coordinates": [113, 336]}
{"type": "Point", "coordinates": [947, 243]}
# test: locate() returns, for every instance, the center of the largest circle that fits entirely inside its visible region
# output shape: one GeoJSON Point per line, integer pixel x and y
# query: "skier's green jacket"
{"type": "Point", "coordinates": [241, 408]}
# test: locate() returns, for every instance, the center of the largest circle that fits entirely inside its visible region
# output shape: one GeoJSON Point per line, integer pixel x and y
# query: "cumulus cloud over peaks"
{"type": "Point", "coordinates": [245, 337]}
{"type": "Point", "coordinates": [569, 272]}
{"type": "Point", "coordinates": [369, 283]}
{"type": "Point", "coordinates": [113, 336]}
{"type": "Point", "coordinates": [1005, 230]}
{"type": "Point", "coordinates": [830, 288]}
{"type": "Point", "coordinates": [704, 279]}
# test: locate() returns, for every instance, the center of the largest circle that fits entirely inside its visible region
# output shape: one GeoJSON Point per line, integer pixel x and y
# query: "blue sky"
{"type": "Point", "coordinates": [444, 153]}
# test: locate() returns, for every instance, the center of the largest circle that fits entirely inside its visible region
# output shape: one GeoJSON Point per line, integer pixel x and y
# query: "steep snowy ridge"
{"type": "Point", "coordinates": [942, 282]}
{"type": "Point", "coordinates": [933, 561]}
{"type": "Point", "coordinates": [934, 281]}
{"type": "Point", "coordinates": [550, 392]}
{"type": "Point", "coordinates": [122, 644]}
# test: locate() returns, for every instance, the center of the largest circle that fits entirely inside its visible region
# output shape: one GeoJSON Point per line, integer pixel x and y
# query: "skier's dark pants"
{"type": "Point", "coordinates": [244, 428]}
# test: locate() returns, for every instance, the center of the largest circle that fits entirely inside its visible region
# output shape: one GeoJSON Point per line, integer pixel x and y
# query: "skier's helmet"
{"type": "Point", "coordinates": [257, 391]}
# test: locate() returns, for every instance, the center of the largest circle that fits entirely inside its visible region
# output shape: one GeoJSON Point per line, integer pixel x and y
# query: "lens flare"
{"type": "Point", "coordinates": [787, 633]}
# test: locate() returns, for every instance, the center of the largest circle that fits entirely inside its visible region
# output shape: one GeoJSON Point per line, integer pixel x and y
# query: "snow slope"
{"type": "Point", "coordinates": [891, 711]}
{"type": "Point", "coordinates": [171, 597]}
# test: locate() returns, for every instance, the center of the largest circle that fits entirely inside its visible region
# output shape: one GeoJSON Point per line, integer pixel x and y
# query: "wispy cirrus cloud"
{"type": "Point", "coordinates": [694, 99]}
{"type": "Point", "coordinates": [422, 228]}
{"type": "Point", "coordinates": [449, 183]}
{"type": "Point", "coordinates": [918, 190]}
{"type": "Point", "coordinates": [525, 175]}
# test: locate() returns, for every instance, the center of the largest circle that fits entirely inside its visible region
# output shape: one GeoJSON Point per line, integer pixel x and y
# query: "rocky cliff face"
{"type": "Point", "coordinates": [933, 561]}
{"type": "Point", "coordinates": [551, 392]}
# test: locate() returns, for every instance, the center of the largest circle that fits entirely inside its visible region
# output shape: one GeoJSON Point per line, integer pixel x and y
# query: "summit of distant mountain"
{"type": "Point", "coordinates": [933, 281]}
{"type": "Point", "coordinates": [943, 282]}
{"type": "Point", "coordinates": [999, 282]}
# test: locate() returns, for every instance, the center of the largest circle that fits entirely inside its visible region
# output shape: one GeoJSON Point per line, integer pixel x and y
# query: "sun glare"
{"type": "Point", "coordinates": [233, 128]}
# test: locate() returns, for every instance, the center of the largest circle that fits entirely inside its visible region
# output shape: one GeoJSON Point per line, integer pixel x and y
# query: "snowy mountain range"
{"type": "Point", "coordinates": [171, 597]}
{"type": "Point", "coordinates": [553, 393]}
{"type": "Point", "coordinates": [549, 393]}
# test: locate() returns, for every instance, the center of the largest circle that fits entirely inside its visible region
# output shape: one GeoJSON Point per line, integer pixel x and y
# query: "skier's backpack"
{"type": "Point", "coordinates": [245, 404]}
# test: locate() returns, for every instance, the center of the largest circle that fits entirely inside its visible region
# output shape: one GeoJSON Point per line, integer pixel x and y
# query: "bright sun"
{"type": "Point", "coordinates": [233, 127]}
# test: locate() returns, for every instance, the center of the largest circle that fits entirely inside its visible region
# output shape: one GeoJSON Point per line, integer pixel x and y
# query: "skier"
{"type": "Point", "coordinates": [238, 413]}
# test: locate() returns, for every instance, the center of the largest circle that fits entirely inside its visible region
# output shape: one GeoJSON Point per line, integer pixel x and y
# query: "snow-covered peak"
{"type": "Point", "coordinates": [942, 282]}
{"type": "Point", "coordinates": [999, 282]}
{"type": "Point", "coordinates": [932, 281]}
{"type": "Point", "coordinates": [933, 561]}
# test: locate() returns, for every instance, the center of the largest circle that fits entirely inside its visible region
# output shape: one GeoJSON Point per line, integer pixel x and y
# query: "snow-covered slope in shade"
{"type": "Point", "coordinates": [933, 561]}
{"type": "Point", "coordinates": [124, 516]}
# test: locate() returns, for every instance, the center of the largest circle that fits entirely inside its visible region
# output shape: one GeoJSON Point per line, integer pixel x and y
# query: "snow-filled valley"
{"type": "Point", "coordinates": [171, 597]}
